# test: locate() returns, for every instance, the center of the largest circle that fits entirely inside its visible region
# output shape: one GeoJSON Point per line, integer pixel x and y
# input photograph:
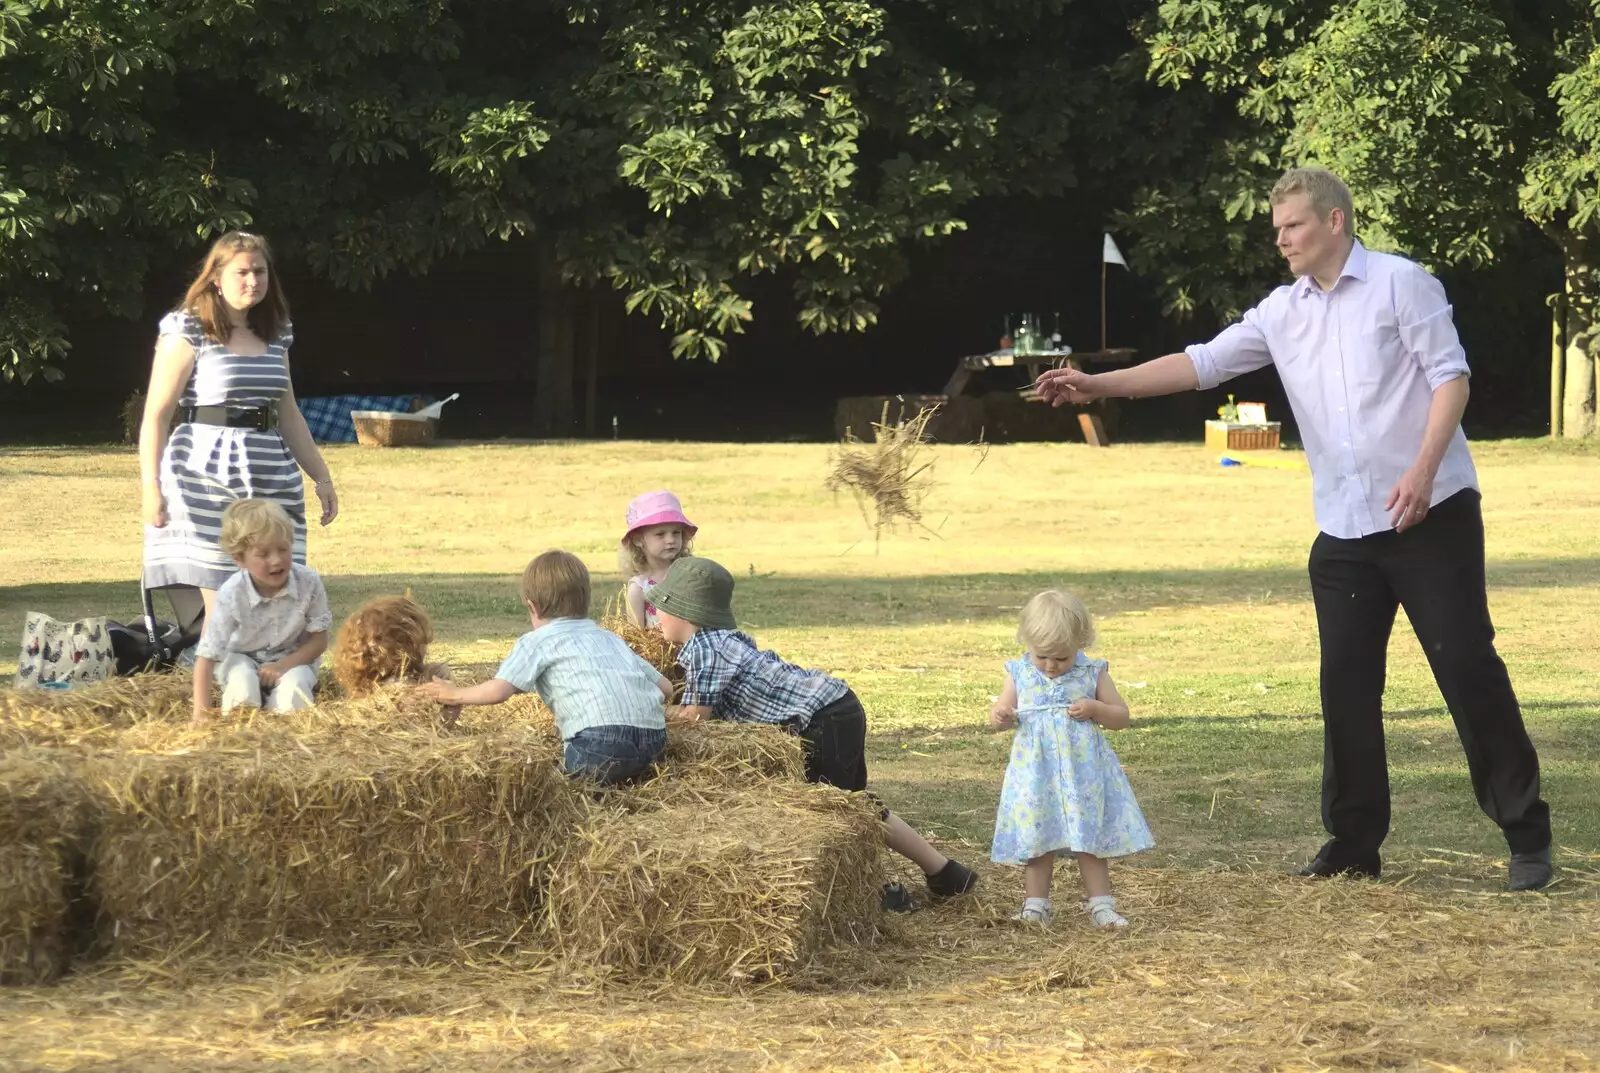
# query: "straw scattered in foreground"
{"type": "Point", "coordinates": [1222, 972]}
{"type": "Point", "coordinates": [733, 889]}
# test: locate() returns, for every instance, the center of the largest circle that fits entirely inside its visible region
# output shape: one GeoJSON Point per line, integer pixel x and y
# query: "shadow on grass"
{"type": "Point", "coordinates": [768, 602]}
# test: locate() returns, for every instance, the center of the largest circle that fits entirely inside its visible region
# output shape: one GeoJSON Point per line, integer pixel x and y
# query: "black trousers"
{"type": "Point", "coordinates": [1435, 570]}
{"type": "Point", "coordinates": [835, 743]}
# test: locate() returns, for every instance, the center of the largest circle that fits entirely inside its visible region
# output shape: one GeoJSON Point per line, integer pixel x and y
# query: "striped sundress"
{"type": "Point", "coordinates": [206, 467]}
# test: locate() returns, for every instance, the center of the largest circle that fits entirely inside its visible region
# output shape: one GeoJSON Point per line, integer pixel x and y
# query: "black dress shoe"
{"type": "Point", "coordinates": [1322, 868]}
{"type": "Point", "coordinates": [1529, 871]}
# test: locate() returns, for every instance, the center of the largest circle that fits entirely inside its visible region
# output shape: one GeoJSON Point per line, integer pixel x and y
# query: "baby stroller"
{"type": "Point", "coordinates": [158, 644]}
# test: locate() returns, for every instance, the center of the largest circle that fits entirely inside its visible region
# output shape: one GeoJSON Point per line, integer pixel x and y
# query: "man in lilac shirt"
{"type": "Point", "coordinates": [1369, 358]}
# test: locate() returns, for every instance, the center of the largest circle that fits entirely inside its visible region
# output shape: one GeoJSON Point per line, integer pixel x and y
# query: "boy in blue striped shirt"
{"type": "Point", "coordinates": [607, 701]}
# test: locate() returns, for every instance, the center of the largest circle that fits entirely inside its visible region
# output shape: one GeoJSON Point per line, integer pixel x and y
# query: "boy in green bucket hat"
{"type": "Point", "coordinates": [726, 677]}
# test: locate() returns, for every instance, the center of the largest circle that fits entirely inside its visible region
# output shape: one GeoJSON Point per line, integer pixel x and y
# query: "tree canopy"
{"type": "Point", "coordinates": [675, 152]}
{"type": "Point", "coordinates": [1455, 122]}
{"type": "Point", "coordinates": [669, 151]}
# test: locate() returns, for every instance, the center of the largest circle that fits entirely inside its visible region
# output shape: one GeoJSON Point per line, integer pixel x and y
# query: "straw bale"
{"type": "Point", "coordinates": [33, 915]}
{"type": "Point", "coordinates": [94, 714]}
{"type": "Point", "coordinates": [746, 889]}
{"type": "Point", "coordinates": [42, 816]}
{"type": "Point", "coordinates": [718, 753]}
{"type": "Point", "coordinates": [261, 839]}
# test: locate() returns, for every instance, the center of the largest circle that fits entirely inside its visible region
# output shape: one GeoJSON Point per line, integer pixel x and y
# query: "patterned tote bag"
{"type": "Point", "coordinates": [61, 655]}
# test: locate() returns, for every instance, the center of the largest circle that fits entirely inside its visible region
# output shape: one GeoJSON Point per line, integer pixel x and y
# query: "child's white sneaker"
{"type": "Point", "coordinates": [1035, 911]}
{"type": "Point", "coordinates": [1103, 911]}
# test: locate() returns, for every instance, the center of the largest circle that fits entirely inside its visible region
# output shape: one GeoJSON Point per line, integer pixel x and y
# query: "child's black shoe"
{"type": "Point", "coordinates": [953, 879]}
{"type": "Point", "coordinates": [896, 899]}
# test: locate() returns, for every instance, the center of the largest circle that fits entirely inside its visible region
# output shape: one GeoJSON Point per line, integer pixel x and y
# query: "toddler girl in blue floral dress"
{"type": "Point", "coordinates": [1064, 792]}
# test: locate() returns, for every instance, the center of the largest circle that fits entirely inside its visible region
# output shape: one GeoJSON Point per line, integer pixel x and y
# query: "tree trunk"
{"type": "Point", "coordinates": [554, 413]}
{"type": "Point", "coordinates": [1578, 402]}
{"type": "Point", "coordinates": [1583, 335]}
{"type": "Point", "coordinates": [1558, 360]}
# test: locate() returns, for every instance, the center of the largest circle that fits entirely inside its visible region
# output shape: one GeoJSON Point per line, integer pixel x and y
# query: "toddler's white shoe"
{"type": "Point", "coordinates": [1035, 911]}
{"type": "Point", "coordinates": [1103, 911]}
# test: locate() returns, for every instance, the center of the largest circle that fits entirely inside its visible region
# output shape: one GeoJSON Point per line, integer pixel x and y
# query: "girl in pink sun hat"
{"type": "Point", "coordinates": [658, 535]}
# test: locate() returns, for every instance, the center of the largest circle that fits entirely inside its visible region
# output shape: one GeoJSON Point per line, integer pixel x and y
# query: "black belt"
{"type": "Point", "coordinates": [261, 418]}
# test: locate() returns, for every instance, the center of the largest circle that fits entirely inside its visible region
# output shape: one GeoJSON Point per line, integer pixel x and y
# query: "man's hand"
{"type": "Point", "coordinates": [1408, 500]}
{"type": "Point", "coordinates": [1057, 386]}
{"type": "Point", "coordinates": [270, 674]}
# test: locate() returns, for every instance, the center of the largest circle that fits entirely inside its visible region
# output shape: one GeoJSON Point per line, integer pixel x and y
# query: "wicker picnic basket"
{"type": "Point", "coordinates": [383, 428]}
{"type": "Point", "coordinates": [1233, 436]}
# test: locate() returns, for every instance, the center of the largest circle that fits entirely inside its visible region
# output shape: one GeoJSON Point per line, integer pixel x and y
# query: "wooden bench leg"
{"type": "Point", "coordinates": [1094, 430]}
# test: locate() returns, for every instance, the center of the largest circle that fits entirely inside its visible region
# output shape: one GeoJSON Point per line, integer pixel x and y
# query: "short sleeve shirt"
{"type": "Point", "coordinates": [265, 628]}
{"type": "Point", "coordinates": [587, 676]}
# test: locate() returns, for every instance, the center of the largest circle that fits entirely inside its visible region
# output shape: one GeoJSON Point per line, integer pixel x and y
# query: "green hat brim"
{"type": "Point", "coordinates": [679, 604]}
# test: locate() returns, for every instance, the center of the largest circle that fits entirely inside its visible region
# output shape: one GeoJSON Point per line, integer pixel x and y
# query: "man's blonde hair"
{"type": "Point", "coordinates": [255, 523]}
{"type": "Point", "coordinates": [1325, 189]}
{"type": "Point", "coordinates": [1055, 623]}
{"type": "Point", "coordinates": [557, 583]}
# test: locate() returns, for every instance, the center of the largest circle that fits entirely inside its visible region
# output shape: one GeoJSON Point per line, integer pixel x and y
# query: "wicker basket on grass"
{"type": "Point", "coordinates": [382, 428]}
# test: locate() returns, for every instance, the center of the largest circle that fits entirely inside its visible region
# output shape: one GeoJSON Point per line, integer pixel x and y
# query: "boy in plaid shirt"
{"type": "Point", "coordinates": [728, 678]}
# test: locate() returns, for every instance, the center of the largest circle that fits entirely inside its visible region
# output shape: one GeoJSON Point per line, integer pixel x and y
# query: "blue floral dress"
{"type": "Point", "coordinates": [1064, 788]}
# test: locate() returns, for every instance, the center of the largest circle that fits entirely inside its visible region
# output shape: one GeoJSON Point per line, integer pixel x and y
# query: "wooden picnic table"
{"type": "Point", "coordinates": [1090, 422]}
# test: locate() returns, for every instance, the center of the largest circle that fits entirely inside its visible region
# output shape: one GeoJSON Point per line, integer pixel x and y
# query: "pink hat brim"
{"type": "Point", "coordinates": [665, 517]}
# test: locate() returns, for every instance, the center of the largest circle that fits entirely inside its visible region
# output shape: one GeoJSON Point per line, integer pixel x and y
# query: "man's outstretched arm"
{"type": "Point", "coordinates": [1162, 376]}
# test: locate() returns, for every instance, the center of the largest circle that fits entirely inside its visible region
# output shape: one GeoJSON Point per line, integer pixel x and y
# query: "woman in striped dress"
{"type": "Point", "coordinates": [222, 366]}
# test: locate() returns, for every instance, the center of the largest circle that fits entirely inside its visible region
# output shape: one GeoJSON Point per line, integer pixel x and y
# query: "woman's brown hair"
{"type": "Point", "coordinates": [268, 318]}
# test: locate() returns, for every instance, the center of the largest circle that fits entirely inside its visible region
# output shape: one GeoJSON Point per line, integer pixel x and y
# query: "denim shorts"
{"type": "Point", "coordinates": [613, 754]}
{"type": "Point", "coordinates": [835, 744]}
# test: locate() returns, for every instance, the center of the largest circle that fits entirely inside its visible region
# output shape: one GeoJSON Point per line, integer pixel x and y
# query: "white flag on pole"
{"type": "Point", "coordinates": [1111, 255]}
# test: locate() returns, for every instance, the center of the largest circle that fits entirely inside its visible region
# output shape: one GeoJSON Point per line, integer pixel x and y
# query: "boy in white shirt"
{"type": "Point", "coordinates": [269, 625]}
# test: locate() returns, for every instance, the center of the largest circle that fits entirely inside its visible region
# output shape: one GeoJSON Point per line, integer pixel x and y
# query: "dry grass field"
{"type": "Point", "coordinates": [1197, 575]}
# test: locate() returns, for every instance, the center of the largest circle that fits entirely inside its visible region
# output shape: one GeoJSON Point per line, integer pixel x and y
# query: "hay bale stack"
{"type": "Point", "coordinates": [95, 714]}
{"type": "Point", "coordinates": [732, 754]}
{"type": "Point", "coordinates": [42, 817]}
{"type": "Point", "coordinates": [750, 888]}
{"type": "Point", "coordinates": [352, 841]}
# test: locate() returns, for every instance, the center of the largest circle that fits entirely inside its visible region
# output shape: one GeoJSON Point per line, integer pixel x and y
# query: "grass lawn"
{"type": "Point", "coordinates": [1197, 576]}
